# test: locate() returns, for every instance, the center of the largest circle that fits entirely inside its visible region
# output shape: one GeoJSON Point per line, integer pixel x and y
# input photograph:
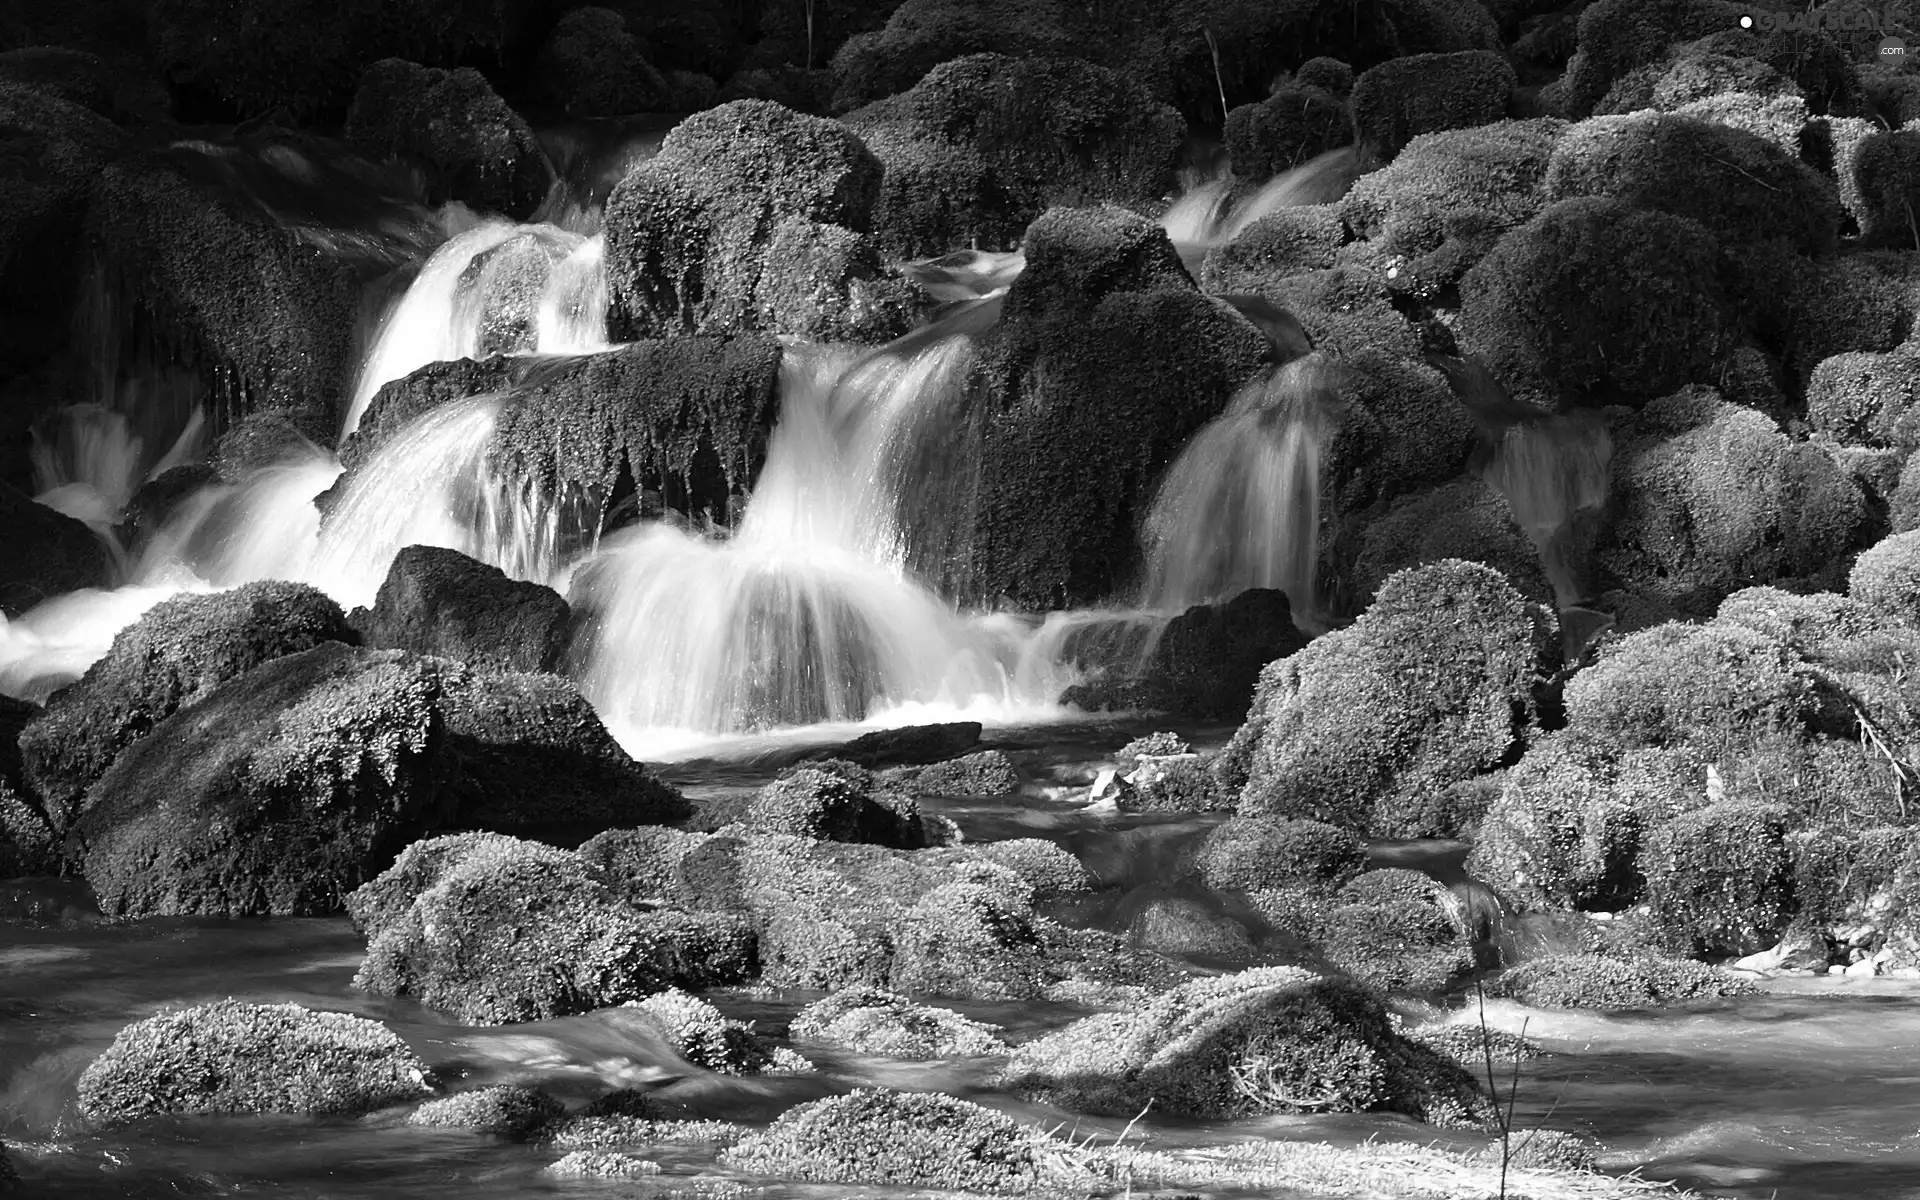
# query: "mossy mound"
{"type": "Point", "coordinates": [504, 1109]}
{"type": "Point", "coordinates": [868, 1020]}
{"type": "Point", "coordinates": [699, 1034]}
{"type": "Point", "coordinates": [1255, 853]}
{"type": "Point", "coordinates": [1709, 496]}
{"type": "Point", "coordinates": [703, 237]}
{"type": "Point", "coordinates": [601, 1164]}
{"type": "Point", "coordinates": [812, 803]}
{"type": "Point", "coordinates": [1296, 123]}
{"type": "Point", "coordinates": [1403, 98]}
{"type": "Point", "coordinates": [1273, 1039]}
{"type": "Point", "coordinates": [1886, 578]}
{"type": "Point", "coordinates": [441, 602]}
{"type": "Point", "coordinates": [1867, 399]}
{"type": "Point", "coordinates": [920, 35]}
{"type": "Point", "coordinates": [1719, 879]}
{"type": "Point", "coordinates": [123, 90]}
{"type": "Point", "coordinates": [475, 149]}
{"type": "Point", "coordinates": [911, 1139]}
{"type": "Point", "coordinates": [1396, 930]}
{"type": "Point", "coordinates": [982, 773]}
{"type": "Point", "coordinates": [592, 66]}
{"type": "Point", "coordinates": [1595, 300]}
{"type": "Point", "coordinates": [275, 793]}
{"type": "Point", "coordinates": [1467, 520]}
{"type": "Point", "coordinates": [1616, 36]}
{"type": "Point", "coordinates": [1366, 727]}
{"type": "Point", "coordinates": [1204, 663]}
{"type": "Point", "coordinates": [231, 1057]}
{"type": "Point", "coordinates": [1611, 984]}
{"type": "Point", "coordinates": [1288, 242]}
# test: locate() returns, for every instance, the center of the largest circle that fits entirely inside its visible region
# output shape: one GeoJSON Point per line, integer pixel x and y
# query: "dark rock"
{"type": "Point", "coordinates": [1205, 663]}
{"type": "Point", "coordinates": [912, 745]}
{"type": "Point", "coordinates": [1403, 98]}
{"type": "Point", "coordinates": [922, 34]}
{"type": "Point", "coordinates": [53, 554]}
{"type": "Point", "coordinates": [474, 148]}
{"type": "Point", "coordinates": [439, 601]}
{"type": "Point", "coordinates": [256, 442]}
{"type": "Point", "coordinates": [275, 793]}
{"type": "Point", "coordinates": [1296, 123]}
{"type": "Point", "coordinates": [123, 90]}
{"type": "Point", "coordinates": [398, 403]}
{"type": "Point", "coordinates": [593, 66]}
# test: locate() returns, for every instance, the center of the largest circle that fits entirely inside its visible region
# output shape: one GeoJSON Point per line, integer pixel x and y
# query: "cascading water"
{"type": "Point", "coordinates": [1207, 214]}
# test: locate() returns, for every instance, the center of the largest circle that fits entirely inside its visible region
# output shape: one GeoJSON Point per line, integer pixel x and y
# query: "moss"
{"type": "Point", "coordinates": [1179, 784]}
{"type": "Point", "coordinates": [1395, 930]}
{"type": "Point", "coordinates": [938, 195]}
{"type": "Point", "coordinates": [1709, 497]}
{"type": "Point", "coordinates": [1566, 830]}
{"type": "Point", "coordinates": [1273, 1039]}
{"type": "Point", "coordinates": [1737, 185]}
{"type": "Point", "coordinates": [1886, 578]}
{"type": "Point", "coordinates": [691, 232]}
{"type": "Point", "coordinates": [1718, 879]}
{"type": "Point", "coordinates": [1254, 853]}
{"type": "Point", "coordinates": [231, 1057]}
{"type": "Point", "coordinates": [1046, 132]}
{"type": "Point", "coordinates": [1854, 878]}
{"type": "Point", "coordinates": [1708, 688]}
{"type": "Point", "coordinates": [971, 941]}
{"type": "Point", "coordinates": [601, 1164]}
{"type": "Point", "coordinates": [911, 1139]}
{"type": "Point", "coordinates": [1052, 873]}
{"type": "Point", "coordinates": [1153, 745]}
{"type": "Point", "coordinates": [816, 804]}
{"type": "Point", "coordinates": [1607, 983]}
{"type": "Point", "coordinates": [441, 602]}
{"type": "Point", "coordinates": [1432, 685]}
{"type": "Point", "coordinates": [1881, 170]}
{"type": "Point", "coordinates": [1275, 135]}
{"type": "Point", "coordinates": [876, 1021]}
{"type": "Point", "coordinates": [265, 317]}
{"type": "Point", "coordinates": [593, 66]}
{"type": "Point", "coordinates": [1866, 399]}
{"type": "Point", "coordinates": [705, 1038]}
{"type": "Point", "coordinates": [1468, 1045]}
{"type": "Point", "coordinates": [1465, 520]}
{"type": "Point", "coordinates": [123, 90]}
{"type": "Point", "coordinates": [1289, 241]}
{"type": "Point", "coordinates": [1403, 98]}
{"type": "Point", "coordinates": [474, 148]}
{"type": "Point", "coordinates": [1595, 298]}
{"type": "Point", "coordinates": [502, 930]}
{"type": "Point", "coordinates": [1809, 310]}
{"type": "Point", "coordinates": [1453, 183]}
{"type": "Point", "coordinates": [1686, 78]}
{"type": "Point", "coordinates": [922, 34]}
{"type": "Point", "coordinates": [1615, 36]}
{"type": "Point", "coordinates": [982, 773]}
{"type": "Point", "coordinates": [1203, 664]}
{"type": "Point", "coordinates": [504, 1109]}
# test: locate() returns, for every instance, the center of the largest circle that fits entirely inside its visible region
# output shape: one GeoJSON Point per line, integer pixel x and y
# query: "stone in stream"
{"type": "Point", "coordinates": [911, 745]}
{"type": "Point", "coordinates": [51, 553]}
{"type": "Point", "coordinates": [500, 1108]}
{"type": "Point", "coordinates": [439, 601]}
{"type": "Point", "coordinates": [868, 1020]}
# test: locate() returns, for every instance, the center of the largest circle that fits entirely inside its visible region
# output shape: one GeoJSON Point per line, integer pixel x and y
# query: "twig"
{"type": "Point", "coordinates": [1214, 49]}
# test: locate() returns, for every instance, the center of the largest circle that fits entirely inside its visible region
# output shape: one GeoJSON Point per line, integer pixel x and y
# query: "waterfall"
{"type": "Point", "coordinates": [1240, 507]}
{"type": "Point", "coordinates": [1207, 214]}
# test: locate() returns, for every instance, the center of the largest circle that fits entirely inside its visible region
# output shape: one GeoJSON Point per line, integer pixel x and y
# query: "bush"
{"type": "Point", "coordinates": [230, 1057]}
{"type": "Point", "coordinates": [1367, 725]}
{"type": "Point", "coordinates": [876, 1021]}
{"type": "Point", "coordinates": [1255, 853]}
{"type": "Point", "coordinates": [1403, 98]}
{"type": "Point", "coordinates": [1606, 983]}
{"type": "Point", "coordinates": [1718, 879]}
{"type": "Point", "coordinates": [1269, 1040]}
{"type": "Point", "coordinates": [1737, 185]}
{"type": "Point", "coordinates": [474, 148]}
{"type": "Point", "coordinates": [1596, 301]}
{"type": "Point", "coordinates": [1709, 497]}
{"type": "Point", "coordinates": [904, 1139]}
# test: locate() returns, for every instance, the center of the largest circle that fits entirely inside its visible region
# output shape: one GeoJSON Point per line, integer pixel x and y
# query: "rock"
{"type": "Point", "coordinates": [592, 66]}
{"type": "Point", "coordinates": [178, 653]}
{"type": "Point", "coordinates": [690, 233]}
{"type": "Point", "coordinates": [1288, 241]}
{"type": "Point", "coordinates": [504, 1109]}
{"type": "Point", "coordinates": [123, 90]}
{"type": "Point", "coordinates": [818, 804]}
{"type": "Point", "coordinates": [1182, 927]}
{"type": "Point", "coordinates": [906, 1139]}
{"type": "Point", "coordinates": [55, 554]}
{"type": "Point", "coordinates": [922, 34]}
{"type": "Point", "coordinates": [1611, 984]}
{"type": "Point", "coordinates": [1886, 578]}
{"type": "Point", "coordinates": [274, 794]}
{"type": "Point", "coordinates": [982, 773]}
{"type": "Point", "coordinates": [1719, 879]}
{"type": "Point", "coordinates": [491, 929]}
{"type": "Point", "coordinates": [1397, 930]}
{"type": "Point", "coordinates": [474, 148]}
{"type": "Point", "coordinates": [1205, 664]}
{"type": "Point", "coordinates": [1866, 399]}
{"type": "Point", "coordinates": [970, 941]}
{"type": "Point", "coordinates": [911, 744]}
{"type": "Point", "coordinates": [876, 1021]}
{"type": "Point", "coordinates": [1616, 36]}
{"type": "Point", "coordinates": [1548, 310]}
{"type": "Point", "coordinates": [1468, 520]}
{"type": "Point", "coordinates": [1337, 733]}
{"type": "Point", "coordinates": [1400, 99]}
{"type": "Point", "coordinates": [230, 1057]}
{"type": "Point", "coordinates": [1297, 1041]}
{"type": "Point", "coordinates": [1296, 123]}
{"type": "Point", "coordinates": [1051, 872]}
{"type": "Point", "coordinates": [698, 1033]}
{"type": "Point", "coordinates": [1174, 783]}
{"type": "Point", "coordinates": [438, 601]}
{"type": "Point", "coordinates": [1248, 854]}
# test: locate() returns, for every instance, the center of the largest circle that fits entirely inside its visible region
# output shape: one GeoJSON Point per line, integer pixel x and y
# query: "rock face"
{"type": "Point", "coordinates": [175, 655]}
{"type": "Point", "coordinates": [230, 1057]}
{"type": "Point", "coordinates": [53, 554]}
{"type": "Point", "coordinates": [1368, 727]}
{"type": "Point", "coordinates": [276, 793]}
{"type": "Point", "coordinates": [475, 149]}
{"type": "Point", "coordinates": [438, 601]}
{"type": "Point", "coordinates": [742, 199]}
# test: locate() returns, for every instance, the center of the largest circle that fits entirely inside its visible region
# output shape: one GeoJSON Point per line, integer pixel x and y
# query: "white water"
{"type": "Point", "coordinates": [1207, 215]}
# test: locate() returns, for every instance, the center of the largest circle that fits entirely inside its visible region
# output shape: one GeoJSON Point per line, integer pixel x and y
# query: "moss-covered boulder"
{"type": "Point", "coordinates": [506, 1109]}
{"type": "Point", "coordinates": [1613, 983]}
{"type": "Point", "coordinates": [439, 601]}
{"type": "Point", "coordinates": [1044, 132]}
{"type": "Point", "coordinates": [530, 756]}
{"type": "Point", "coordinates": [1880, 178]}
{"type": "Point", "coordinates": [492, 930]}
{"type": "Point", "coordinates": [1866, 399]}
{"type": "Point", "coordinates": [1737, 185]}
{"type": "Point", "coordinates": [920, 35]}
{"type": "Point", "coordinates": [865, 1020]}
{"type": "Point", "coordinates": [1286, 242]}
{"type": "Point", "coordinates": [700, 1034]}
{"type": "Point", "coordinates": [232, 1057]}
{"type": "Point", "coordinates": [1616, 36]}
{"type": "Point", "coordinates": [593, 66]}
{"type": "Point", "coordinates": [1466, 519]}
{"type": "Point", "coordinates": [1403, 98]}
{"type": "Point", "coordinates": [1268, 1040]}
{"type": "Point", "coordinates": [1598, 301]}
{"type": "Point", "coordinates": [1886, 578]}
{"type": "Point", "coordinates": [813, 803]}
{"type": "Point", "coordinates": [124, 90]}
{"type": "Point", "coordinates": [1397, 930]}
{"type": "Point", "coordinates": [475, 149]}
{"type": "Point", "coordinates": [969, 940]}
{"type": "Point", "coordinates": [982, 773]}
{"type": "Point", "coordinates": [1296, 123]}
{"type": "Point", "coordinates": [882, 1137]}
{"type": "Point", "coordinates": [1250, 854]}
{"type": "Point", "coordinates": [1203, 663]}
{"type": "Point", "coordinates": [277, 792]}
{"type": "Point", "coordinates": [1368, 726]}
{"type": "Point", "coordinates": [1708, 497]}
{"type": "Point", "coordinates": [57, 554]}
{"type": "Point", "coordinates": [692, 233]}
{"type": "Point", "coordinates": [1719, 878]}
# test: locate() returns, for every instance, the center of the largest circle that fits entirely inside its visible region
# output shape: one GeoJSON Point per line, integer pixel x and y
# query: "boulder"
{"type": "Point", "coordinates": [865, 1020]}
{"type": "Point", "coordinates": [1402, 98]}
{"type": "Point", "coordinates": [1204, 664]}
{"type": "Point", "coordinates": [593, 66]}
{"type": "Point", "coordinates": [1296, 123]}
{"type": "Point", "coordinates": [817, 804]}
{"type": "Point", "coordinates": [1251, 854]}
{"type": "Point", "coordinates": [438, 601]}
{"type": "Point", "coordinates": [474, 148]}
{"type": "Point", "coordinates": [1609, 983]}
{"type": "Point", "coordinates": [55, 554]}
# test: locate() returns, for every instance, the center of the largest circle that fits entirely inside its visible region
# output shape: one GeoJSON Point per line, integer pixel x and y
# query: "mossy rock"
{"type": "Point", "coordinates": [502, 1108]}
{"type": "Point", "coordinates": [1867, 399]}
{"type": "Point", "coordinates": [57, 554]}
{"type": "Point", "coordinates": [876, 1021]}
{"type": "Point", "coordinates": [1294, 124]}
{"type": "Point", "coordinates": [1719, 879]}
{"type": "Point", "coordinates": [1611, 984]}
{"type": "Point", "coordinates": [1256, 853]}
{"type": "Point", "coordinates": [593, 66]}
{"type": "Point", "coordinates": [441, 602]}
{"type": "Point", "coordinates": [1400, 99]}
{"type": "Point", "coordinates": [1886, 578]}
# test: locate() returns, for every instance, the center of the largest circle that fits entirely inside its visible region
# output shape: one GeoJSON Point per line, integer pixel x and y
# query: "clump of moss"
{"type": "Point", "coordinates": [706, 1039]}
{"type": "Point", "coordinates": [982, 773]}
{"type": "Point", "coordinates": [816, 804]}
{"type": "Point", "coordinates": [971, 941]}
{"type": "Point", "coordinates": [1805, 311]}
{"type": "Point", "coordinates": [1886, 578]}
{"type": "Point", "coordinates": [1296, 123]}
{"type": "Point", "coordinates": [1719, 880]}
{"type": "Point", "coordinates": [1397, 930]}
{"type": "Point", "coordinates": [1867, 399]}
{"type": "Point", "coordinates": [1255, 853]}
{"type": "Point", "coordinates": [1153, 745]}
{"type": "Point", "coordinates": [474, 148]}
{"type": "Point", "coordinates": [1337, 734]}
{"type": "Point", "coordinates": [601, 1164]}
{"type": "Point", "coordinates": [1272, 1039]}
{"type": "Point", "coordinates": [1737, 185]}
{"type": "Point", "coordinates": [1597, 299]}
{"type": "Point", "coordinates": [1709, 496]}
{"type": "Point", "coordinates": [1616, 36]}
{"type": "Point", "coordinates": [231, 1057]}
{"type": "Point", "coordinates": [504, 1109]}
{"type": "Point", "coordinates": [1468, 1045]}
{"type": "Point", "coordinates": [869, 1020]}
{"type": "Point", "coordinates": [1290, 241]}
{"type": "Point", "coordinates": [1609, 983]}
{"type": "Point", "coordinates": [1402, 98]}
{"type": "Point", "coordinates": [1050, 871]}
{"type": "Point", "coordinates": [593, 66]}
{"type": "Point", "coordinates": [922, 34]}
